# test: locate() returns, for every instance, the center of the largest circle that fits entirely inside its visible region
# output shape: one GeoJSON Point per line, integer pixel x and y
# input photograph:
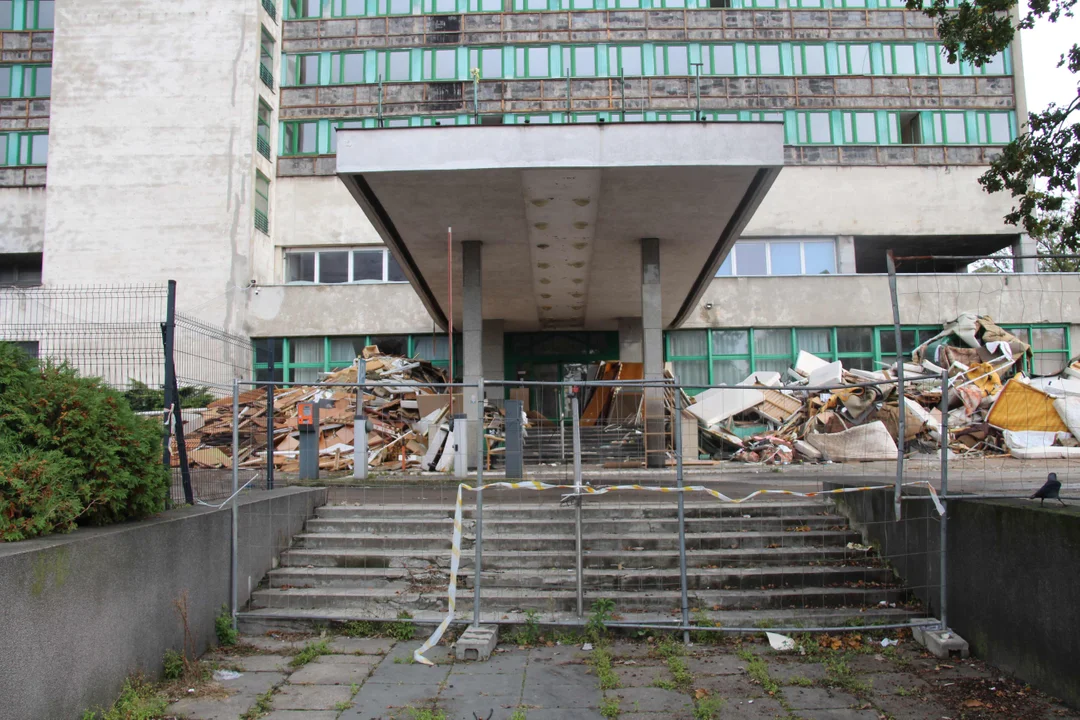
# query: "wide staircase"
{"type": "Point", "coordinates": [784, 562]}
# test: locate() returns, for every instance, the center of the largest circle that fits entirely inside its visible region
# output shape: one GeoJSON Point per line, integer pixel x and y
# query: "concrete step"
{"type": "Point", "coordinates": [259, 621]}
{"type": "Point", "coordinates": [594, 578]}
{"type": "Point", "coordinates": [433, 598]}
{"type": "Point", "coordinates": [377, 557]}
{"type": "Point", "coordinates": [497, 525]}
{"type": "Point", "coordinates": [564, 542]}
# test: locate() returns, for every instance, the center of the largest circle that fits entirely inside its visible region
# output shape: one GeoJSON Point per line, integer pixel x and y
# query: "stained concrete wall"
{"type": "Point", "coordinates": [1012, 580]}
{"type": "Point", "coordinates": [151, 145]}
{"type": "Point", "coordinates": [80, 612]}
{"type": "Point", "coordinates": [22, 220]}
{"type": "Point", "coordinates": [301, 310]}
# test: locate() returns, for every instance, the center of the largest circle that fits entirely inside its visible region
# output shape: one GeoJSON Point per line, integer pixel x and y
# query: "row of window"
{"type": "Point", "coordinates": [305, 9]}
{"type": "Point", "coordinates": [25, 81]}
{"type": "Point", "coordinates": [302, 359]}
{"type": "Point", "coordinates": [23, 148]}
{"type": "Point", "coordinates": [27, 14]}
{"type": "Point", "coordinates": [801, 127]}
{"type": "Point", "coordinates": [781, 257]}
{"type": "Point", "coordinates": [342, 265]}
{"type": "Point", "coordinates": [645, 60]}
{"type": "Point", "coordinates": [726, 357]}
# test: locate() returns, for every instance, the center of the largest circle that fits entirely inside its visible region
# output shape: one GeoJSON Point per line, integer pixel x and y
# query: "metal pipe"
{"type": "Point", "coordinates": [622, 89]}
{"type": "Point", "coordinates": [569, 102]}
{"type": "Point", "coordinates": [270, 419]}
{"type": "Point", "coordinates": [900, 416]}
{"type": "Point", "coordinates": [1051, 256]}
{"type": "Point", "coordinates": [677, 428]}
{"type": "Point", "coordinates": [944, 489]}
{"type": "Point", "coordinates": [360, 465]}
{"type": "Point", "coordinates": [380, 101]}
{"type": "Point", "coordinates": [235, 565]}
{"type": "Point", "coordinates": [697, 88]}
{"type": "Point", "coordinates": [577, 506]}
{"type": "Point", "coordinates": [450, 302]}
{"type": "Point", "coordinates": [479, 543]}
{"type": "Point", "coordinates": [170, 407]}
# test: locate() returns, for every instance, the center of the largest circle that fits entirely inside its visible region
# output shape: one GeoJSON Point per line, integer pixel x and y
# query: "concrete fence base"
{"type": "Point", "coordinates": [80, 612]}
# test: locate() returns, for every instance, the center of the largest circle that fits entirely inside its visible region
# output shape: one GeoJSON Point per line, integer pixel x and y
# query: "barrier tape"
{"type": "Point", "coordinates": [455, 547]}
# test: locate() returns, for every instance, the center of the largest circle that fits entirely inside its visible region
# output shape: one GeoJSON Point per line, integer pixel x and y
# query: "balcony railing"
{"type": "Point", "coordinates": [262, 223]}
{"type": "Point", "coordinates": [270, 8]}
{"type": "Point", "coordinates": [263, 145]}
{"type": "Point", "coordinates": [266, 76]}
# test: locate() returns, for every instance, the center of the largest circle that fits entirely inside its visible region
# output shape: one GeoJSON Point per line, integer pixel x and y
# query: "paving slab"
{"type": "Point", "coordinates": [840, 714]}
{"type": "Point", "coordinates": [361, 646]}
{"type": "Point", "coordinates": [726, 664]}
{"type": "Point", "coordinates": [302, 715]}
{"type": "Point", "coordinates": [561, 654]}
{"type": "Point", "coordinates": [564, 714]}
{"type": "Point", "coordinates": [271, 644]}
{"type": "Point", "coordinates": [673, 715]}
{"type": "Point", "coordinates": [382, 700]}
{"type": "Point", "coordinates": [368, 660]}
{"type": "Point", "coordinates": [813, 698]}
{"type": "Point", "coordinates": [642, 675]}
{"type": "Point", "coordinates": [469, 708]}
{"type": "Point", "coordinates": [494, 684]}
{"type": "Point", "coordinates": [652, 700]}
{"type": "Point", "coordinates": [498, 663]}
{"type": "Point", "coordinates": [310, 697]}
{"type": "Point", "coordinates": [786, 673]}
{"type": "Point", "coordinates": [560, 686]}
{"type": "Point", "coordinates": [752, 709]}
{"type": "Point", "coordinates": [260, 663]}
{"type": "Point", "coordinates": [331, 674]}
{"type": "Point", "coordinates": [243, 690]}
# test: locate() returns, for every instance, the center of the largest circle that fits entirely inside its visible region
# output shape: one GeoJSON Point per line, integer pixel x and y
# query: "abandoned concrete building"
{"type": "Point", "coordinates": [707, 183]}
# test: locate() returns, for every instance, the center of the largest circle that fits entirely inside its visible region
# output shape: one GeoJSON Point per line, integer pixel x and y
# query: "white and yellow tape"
{"type": "Point", "coordinates": [455, 547]}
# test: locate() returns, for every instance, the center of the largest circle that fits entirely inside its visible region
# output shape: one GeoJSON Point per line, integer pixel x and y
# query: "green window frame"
{"type": "Point", "coordinates": [535, 5]}
{"type": "Point", "coordinates": [534, 61]}
{"type": "Point", "coordinates": [348, 68]}
{"type": "Point", "coordinates": [994, 128]}
{"type": "Point", "coordinates": [626, 60]}
{"type": "Point", "coordinates": [937, 61]}
{"type": "Point", "coordinates": [860, 128]}
{"type": "Point", "coordinates": [301, 9]}
{"type": "Point", "coordinates": [395, 66]}
{"type": "Point", "coordinates": [301, 69]}
{"type": "Point", "coordinates": [4, 150]}
{"type": "Point", "coordinates": [814, 128]}
{"type": "Point", "coordinates": [37, 81]}
{"type": "Point", "coordinates": [263, 129]}
{"type": "Point", "coordinates": [301, 359]}
{"type": "Point", "coordinates": [581, 60]}
{"type": "Point", "coordinates": [262, 203]}
{"type": "Point", "coordinates": [30, 148]}
{"type": "Point", "coordinates": [672, 60]}
{"type": "Point", "coordinates": [488, 60]}
{"type": "Point", "coordinates": [948, 127]}
{"type": "Point", "coordinates": [485, 6]}
{"type": "Point", "coordinates": [40, 15]}
{"type": "Point", "coordinates": [1051, 347]}
{"type": "Point", "coordinates": [439, 64]}
{"type": "Point", "coordinates": [810, 59]}
{"type": "Point", "coordinates": [300, 137]}
{"type": "Point", "coordinates": [342, 125]}
{"type": "Point", "coordinates": [764, 59]}
{"type": "Point", "coordinates": [854, 4]}
{"type": "Point", "coordinates": [718, 59]}
{"type": "Point", "coordinates": [998, 65]}
{"type": "Point", "coordinates": [7, 14]}
{"type": "Point", "coordinates": [855, 59]}
{"type": "Point", "coordinates": [900, 59]}
{"type": "Point", "coordinates": [8, 74]}
{"type": "Point", "coordinates": [266, 58]}
{"type": "Point", "coordinates": [350, 8]}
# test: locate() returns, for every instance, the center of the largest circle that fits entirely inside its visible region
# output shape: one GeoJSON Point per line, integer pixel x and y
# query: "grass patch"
{"type": "Point", "coordinates": [801, 681]}
{"type": "Point", "coordinates": [609, 707]}
{"type": "Point", "coordinates": [139, 700]}
{"type": "Point", "coordinates": [309, 652]}
{"type": "Point", "coordinates": [402, 630]}
{"type": "Point", "coordinates": [518, 714]}
{"type": "Point", "coordinates": [839, 674]}
{"type": "Point", "coordinates": [596, 627]}
{"type": "Point", "coordinates": [704, 637]}
{"type": "Point", "coordinates": [600, 659]}
{"type": "Point", "coordinates": [425, 714]}
{"type": "Point", "coordinates": [708, 707]}
{"type": "Point", "coordinates": [527, 634]}
{"type": "Point", "coordinates": [360, 629]}
{"type": "Point", "coordinates": [227, 635]}
{"type": "Point", "coordinates": [263, 705]}
{"type": "Point", "coordinates": [758, 670]}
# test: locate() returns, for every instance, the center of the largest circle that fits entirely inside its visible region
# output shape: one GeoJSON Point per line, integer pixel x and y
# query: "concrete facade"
{"type": "Point", "coordinates": [22, 217]}
{"type": "Point", "coordinates": [83, 611]}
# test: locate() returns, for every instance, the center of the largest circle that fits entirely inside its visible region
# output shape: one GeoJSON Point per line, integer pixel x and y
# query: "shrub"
{"type": "Point", "coordinates": [71, 451]}
{"type": "Point", "coordinates": [143, 398]}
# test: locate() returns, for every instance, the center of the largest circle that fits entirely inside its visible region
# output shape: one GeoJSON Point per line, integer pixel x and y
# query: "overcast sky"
{"type": "Point", "coordinates": [1042, 46]}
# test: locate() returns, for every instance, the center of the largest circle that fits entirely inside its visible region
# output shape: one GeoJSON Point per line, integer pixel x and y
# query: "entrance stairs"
{"type": "Point", "coordinates": [752, 565]}
{"type": "Point", "coordinates": [554, 443]}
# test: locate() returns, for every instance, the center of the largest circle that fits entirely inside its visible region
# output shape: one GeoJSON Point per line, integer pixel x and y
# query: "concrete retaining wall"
{"type": "Point", "coordinates": [80, 612]}
{"type": "Point", "coordinates": [1012, 577]}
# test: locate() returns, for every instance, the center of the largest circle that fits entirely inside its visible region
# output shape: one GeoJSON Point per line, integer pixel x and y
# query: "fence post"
{"type": "Point", "coordinates": [270, 419]}
{"type": "Point", "coordinates": [901, 415]}
{"type": "Point", "coordinates": [677, 426]}
{"type": "Point", "coordinates": [172, 397]}
{"type": "Point", "coordinates": [480, 458]}
{"type": "Point", "coordinates": [360, 448]}
{"type": "Point", "coordinates": [235, 569]}
{"type": "Point", "coordinates": [166, 415]}
{"type": "Point", "coordinates": [944, 490]}
{"type": "Point", "coordinates": [577, 504]}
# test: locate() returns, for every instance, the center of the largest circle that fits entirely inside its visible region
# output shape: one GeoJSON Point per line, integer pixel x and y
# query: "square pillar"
{"type": "Point", "coordinates": [630, 339]}
{"type": "Point", "coordinates": [472, 340]}
{"type": "Point", "coordinates": [845, 255]}
{"type": "Point", "coordinates": [1024, 245]}
{"type": "Point", "coordinates": [652, 352]}
{"type": "Point", "coordinates": [493, 363]}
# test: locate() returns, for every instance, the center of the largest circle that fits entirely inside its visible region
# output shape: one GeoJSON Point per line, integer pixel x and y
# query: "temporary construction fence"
{"type": "Point", "coordinates": [169, 365]}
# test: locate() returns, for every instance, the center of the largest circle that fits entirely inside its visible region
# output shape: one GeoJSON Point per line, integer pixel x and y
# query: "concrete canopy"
{"type": "Point", "coordinates": [561, 210]}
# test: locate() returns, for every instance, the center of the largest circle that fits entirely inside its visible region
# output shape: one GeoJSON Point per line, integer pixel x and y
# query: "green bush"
{"type": "Point", "coordinates": [142, 397]}
{"type": "Point", "coordinates": [71, 451]}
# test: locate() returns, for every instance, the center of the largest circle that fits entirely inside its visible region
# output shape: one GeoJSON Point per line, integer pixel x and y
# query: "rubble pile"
{"type": "Point", "coordinates": [854, 415]}
{"type": "Point", "coordinates": [409, 425]}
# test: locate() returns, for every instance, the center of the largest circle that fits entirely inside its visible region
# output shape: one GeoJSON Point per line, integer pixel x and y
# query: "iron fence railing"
{"type": "Point", "coordinates": [270, 8]}
{"type": "Point", "coordinates": [263, 146]}
{"type": "Point", "coordinates": [267, 76]}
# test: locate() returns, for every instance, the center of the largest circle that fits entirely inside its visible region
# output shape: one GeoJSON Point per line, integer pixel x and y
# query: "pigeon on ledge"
{"type": "Point", "coordinates": [1049, 491]}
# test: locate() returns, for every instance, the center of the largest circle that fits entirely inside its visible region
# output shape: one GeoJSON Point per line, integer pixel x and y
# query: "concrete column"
{"type": "Point", "coordinates": [494, 367]}
{"type": "Point", "coordinates": [1024, 245]}
{"type": "Point", "coordinates": [472, 338]}
{"type": "Point", "coordinates": [652, 351]}
{"type": "Point", "coordinates": [845, 255]}
{"type": "Point", "coordinates": [630, 339]}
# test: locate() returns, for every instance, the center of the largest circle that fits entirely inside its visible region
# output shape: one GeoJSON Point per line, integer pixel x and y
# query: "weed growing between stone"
{"type": "Point", "coordinates": [600, 658]}
{"type": "Point", "coordinates": [139, 700]}
{"type": "Point", "coordinates": [309, 652]}
{"type": "Point", "coordinates": [596, 627]}
{"type": "Point", "coordinates": [609, 707]}
{"type": "Point", "coordinates": [527, 634]}
{"type": "Point", "coordinates": [263, 705]}
{"type": "Point", "coordinates": [708, 707]}
{"type": "Point", "coordinates": [227, 635]}
{"type": "Point", "coordinates": [402, 630]}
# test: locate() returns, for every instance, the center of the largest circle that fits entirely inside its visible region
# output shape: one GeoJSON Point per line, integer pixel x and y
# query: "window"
{"type": "Point", "coordinates": [33, 148]}
{"type": "Point", "coordinates": [7, 14]}
{"type": "Point", "coordinates": [854, 59]}
{"type": "Point", "coordinates": [300, 138]}
{"type": "Point", "coordinates": [937, 61]}
{"type": "Point", "coordinates": [5, 80]}
{"type": "Point", "coordinates": [1049, 347]}
{"type": "Point", "coordinates": [532, 62]}
{"type": "Point", "coordinates": [580, 61]}
{"type": "Point", "coordinates": [488, 60]}
{"type": "Point", "coordinates": [910, 128]}
{"type": "Point", "coordinates": [40, 14]}
{"type": "Point", "coordinates": [262, 135]}
{"type": "Point", "coordinates": [20, 269]}
{"type": "Point", "coordinates": [993, 127]}
{"type": "Point", "coordinates": [262, 203]}
{"type": "Point", "coordinates": [394, 7]}
{"type": "Point", "coordinates": [530, 4]}
{"type": "Point", "coordinates": [860, 127]}
{"type": "Point", "coordinates": [37, 81]}
{"type": "Point", "coordinates": [345, 125]}
{"type": "Point", "coordinates": [899, 59]}
{"type": "Point", "coordinates": [780, 257]}
{"type": "Point", "coordinates": [346, 8]}
{"type": "Point", "coordinates": [672, 60]}
{"type": "Point", "coordinates": [347, 68]}
{"type": "Point", "coordinates": [266, 59]}
{"type": "Point", "coordinates": [813, 128]}
{"type": "Point", "coordinates": [303, 359]}
{"type": "Point", "coordinates": [440, 64]}
{"type": "Point", "coordinates": [995, 66]}
{"type": "Point", "coordinates": [302, 69]}
{"type": "Point", "coordinates": [949, 128]}
{"type": "Point", "coordinates": [485, 6]}
{"type": "Point", "coordinates": [625, 60]}
{"type": "Point", "coordinates": [763, 59]}
{"type": "Point", "coordinates": [299, 9]}
{"type": "Point", "coordinates": [718, 59]}
{"type": "Point", "coordinates": [344, 265]}
{"type": "Point", "coordinates": [810, 60]}
{"type": "Point", "coordinates": [396, 66]}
